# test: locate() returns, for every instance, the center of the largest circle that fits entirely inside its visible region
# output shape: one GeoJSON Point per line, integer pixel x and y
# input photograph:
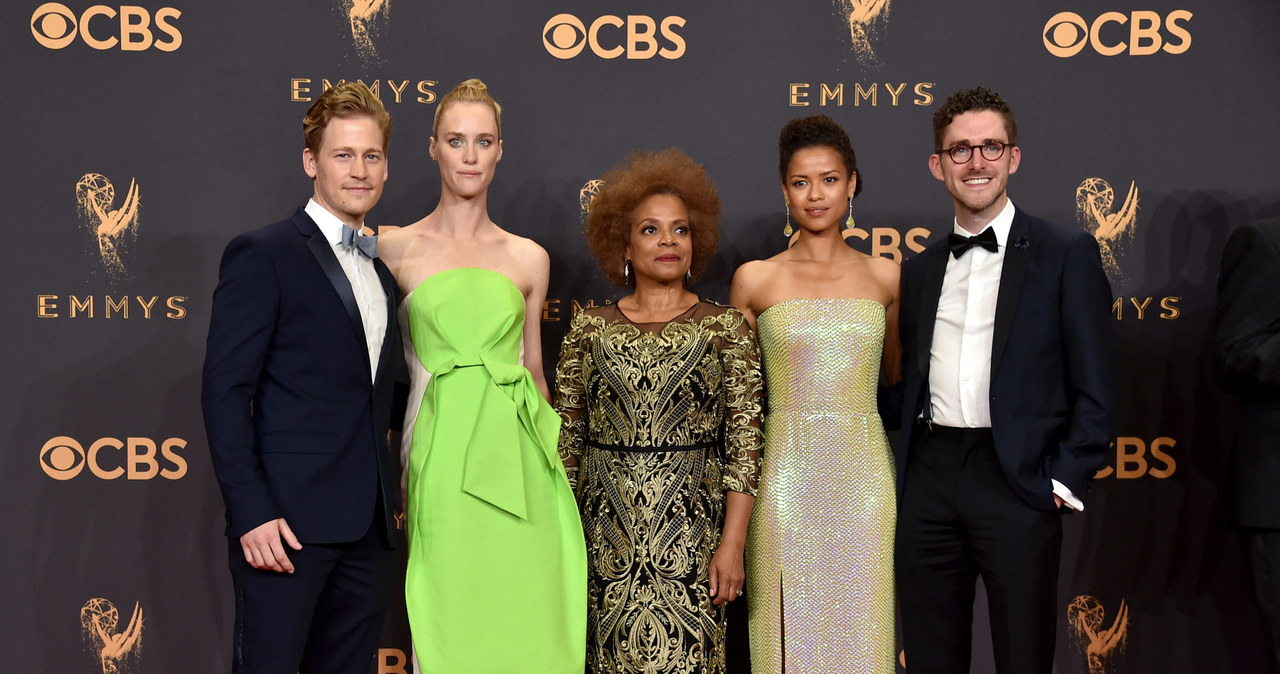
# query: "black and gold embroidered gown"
{"type": "Point", "coordinates": [659, 420]}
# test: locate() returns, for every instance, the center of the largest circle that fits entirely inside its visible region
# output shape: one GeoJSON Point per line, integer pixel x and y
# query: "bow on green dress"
{"type": "Point", "coordinates": [497, 565]}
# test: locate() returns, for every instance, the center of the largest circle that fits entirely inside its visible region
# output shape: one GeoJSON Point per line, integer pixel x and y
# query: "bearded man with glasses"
{"type": "Point", "coordinates": [1005, 405]}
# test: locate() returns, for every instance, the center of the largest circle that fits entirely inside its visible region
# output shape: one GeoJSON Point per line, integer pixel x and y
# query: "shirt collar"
{"type": "Point", "coordinates": [1001, 224]}
{"type": "Point", "coordinates": [329, 224]}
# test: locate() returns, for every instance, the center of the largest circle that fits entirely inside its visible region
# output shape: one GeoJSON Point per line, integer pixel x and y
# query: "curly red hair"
{"type": "Point", "coordinates": [610, 215]}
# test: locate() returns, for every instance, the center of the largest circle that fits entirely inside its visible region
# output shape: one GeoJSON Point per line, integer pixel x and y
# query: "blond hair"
{"type": "Point", "coordinates": [471, 91]}
{"type": "Point", "coordinates": [340, 101]}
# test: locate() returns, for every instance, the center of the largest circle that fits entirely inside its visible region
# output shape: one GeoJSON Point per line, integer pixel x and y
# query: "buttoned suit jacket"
{"type": "Point", "coordinates": [1052, 357]}
{"type": "Point", "coordinates": [1247, 363]}
{"type": "Point", "coordinates": [296, 427]}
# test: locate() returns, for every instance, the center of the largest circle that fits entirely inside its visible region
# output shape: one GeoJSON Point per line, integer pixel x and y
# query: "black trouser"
{"type": "Point", "coordinates": [324, 618]}
{"type": "Point", "coordinates": [959, 519]}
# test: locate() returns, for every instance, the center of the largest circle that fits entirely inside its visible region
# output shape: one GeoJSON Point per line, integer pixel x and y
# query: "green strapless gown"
{"type": "Point", "coordinates": [496, 582]}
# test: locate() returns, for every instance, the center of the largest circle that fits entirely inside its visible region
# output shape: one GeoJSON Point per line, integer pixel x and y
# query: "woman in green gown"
{"type": "Point", "coordinates": [496, 581]}
{"type": "Point", "coordinates": [660, 396]}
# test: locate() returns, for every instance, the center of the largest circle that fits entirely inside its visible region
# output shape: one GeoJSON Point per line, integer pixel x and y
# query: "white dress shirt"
{"type": "Point", "coordinates": [960, 356]}
{"type": "Point", "coordinates": [362, 275]}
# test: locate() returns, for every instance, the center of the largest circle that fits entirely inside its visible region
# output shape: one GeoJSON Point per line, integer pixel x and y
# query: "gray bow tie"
{"type": "Point", "coordinates": [367, 245]}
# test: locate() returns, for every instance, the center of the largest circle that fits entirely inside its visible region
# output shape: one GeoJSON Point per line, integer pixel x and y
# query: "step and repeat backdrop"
{"type": "Point", "coordinates": [140, 138]}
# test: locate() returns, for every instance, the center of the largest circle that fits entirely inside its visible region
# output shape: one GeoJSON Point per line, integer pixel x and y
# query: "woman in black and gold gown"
{"type": "Point", "coordinates": [660, 396]}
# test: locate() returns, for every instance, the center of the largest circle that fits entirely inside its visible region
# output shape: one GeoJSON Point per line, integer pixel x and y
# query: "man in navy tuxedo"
{"type": "Point", "coordinates": [297, 397]}
{"type": "Point", "coordinates": [1006, 403]}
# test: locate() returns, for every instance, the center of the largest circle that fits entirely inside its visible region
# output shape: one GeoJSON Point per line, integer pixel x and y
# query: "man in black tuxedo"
{"type": "Point", "coordinates": [297, 396]}
{"type": "Point", "coordinates": [1247, 363]}
{"type": "Point", "coordinates": [1006, 403]}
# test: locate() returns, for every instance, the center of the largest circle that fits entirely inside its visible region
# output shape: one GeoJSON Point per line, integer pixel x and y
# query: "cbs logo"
{"type": "Point", "coordinates": [62, 458]}
{"type": "Point", "coordinates": [1136, 458]}
{"type": "Point", "coordinates": [55, 26]}
{"type": "Point", "coordinates": [1067, 33]}
{"type": "Point", "coordinates": [565, 36]}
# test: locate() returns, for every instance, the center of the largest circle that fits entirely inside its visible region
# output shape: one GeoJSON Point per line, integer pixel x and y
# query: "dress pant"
{"type": "Point", "coordinates": [1264, 557]}
{"type": "Point", "coordinates": [324, 618]}
{"type": "Point", "coordinates": [959, 519]}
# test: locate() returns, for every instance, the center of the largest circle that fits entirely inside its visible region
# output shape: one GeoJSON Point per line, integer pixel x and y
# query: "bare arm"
{"type": "Point", "coordinates": [891, 355]}
{"type": "Point", "coordinates": [742, 291]}
{"type": "Point", "coordinates": [728, 571]}
{"type": "Point", "coordinates": [539, 268]}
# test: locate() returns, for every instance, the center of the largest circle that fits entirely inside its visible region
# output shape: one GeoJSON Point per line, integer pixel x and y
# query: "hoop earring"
{"type": "Point", "coordinates": [626, 273]}
{"type": "Point", "coordinates": [787, 231]}
{"type": "Point", "coordinates": [848, 223]}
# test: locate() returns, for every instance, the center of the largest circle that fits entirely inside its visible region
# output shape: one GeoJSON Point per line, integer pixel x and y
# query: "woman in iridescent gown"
{"type": "Point", "coordinates": [660, 397]}
{"type": "Point", "coordinates": [820, 546]}
{"type": "Point", "coordinates": [496, 580]}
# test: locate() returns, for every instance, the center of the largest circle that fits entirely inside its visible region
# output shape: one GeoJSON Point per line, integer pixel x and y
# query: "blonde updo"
{"type": "Point", "coordinates": [471, 91]}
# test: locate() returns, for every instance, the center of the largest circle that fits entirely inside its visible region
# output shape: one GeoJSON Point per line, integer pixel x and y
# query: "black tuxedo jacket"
{"type": "Point", "coordinates": [1247, 363]}
{"type": "Point", "coordinates": [1052, 357]}
{"type": "Point", "coordinates": [295, 426]}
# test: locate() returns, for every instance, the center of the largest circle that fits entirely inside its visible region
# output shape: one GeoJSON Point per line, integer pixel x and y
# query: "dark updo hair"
{"type": "Point", "coordinates": [645, 174]}
{"type": "Point", "coordinates": [816, 131]}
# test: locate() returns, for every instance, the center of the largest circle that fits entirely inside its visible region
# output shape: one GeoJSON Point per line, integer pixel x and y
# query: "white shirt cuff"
{"type": "Point", "coordinates": [1060, 490]}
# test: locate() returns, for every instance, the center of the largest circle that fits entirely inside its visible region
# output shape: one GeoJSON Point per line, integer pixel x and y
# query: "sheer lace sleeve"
{"type": "Point", "coordinates": [743, 390]}
{"type": "Point", "coordinates": [571, 397]}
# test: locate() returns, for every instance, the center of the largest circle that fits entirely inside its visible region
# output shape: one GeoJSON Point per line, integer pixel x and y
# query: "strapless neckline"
{"type": "Point", "coordinates": [820, 300]}
{"type": "Point", "coordinates": [431, 277]}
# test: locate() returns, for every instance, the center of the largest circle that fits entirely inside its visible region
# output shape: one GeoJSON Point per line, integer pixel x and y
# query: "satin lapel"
{"type": "Point", "coordinates": [1012, 274]}
{"type": "Point", "coordinates": [391, 290]}
{"type": "Point", "coordinates": [935, 266]}
{"type": "Point", "coordinates": [323, 253]}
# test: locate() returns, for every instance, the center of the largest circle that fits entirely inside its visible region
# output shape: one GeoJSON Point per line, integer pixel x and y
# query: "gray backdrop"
{"type": "Point", "coordinates": [141, 138]}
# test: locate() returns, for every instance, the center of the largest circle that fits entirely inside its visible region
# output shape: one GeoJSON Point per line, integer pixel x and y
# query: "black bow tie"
{"type": "Point", "coordinates": [367, 245]}
{"type": "Point", "coordinates": [960, 243]}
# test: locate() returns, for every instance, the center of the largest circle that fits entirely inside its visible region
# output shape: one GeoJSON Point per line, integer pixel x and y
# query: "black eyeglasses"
{"type": "Point", "coordinates": [961, 154]}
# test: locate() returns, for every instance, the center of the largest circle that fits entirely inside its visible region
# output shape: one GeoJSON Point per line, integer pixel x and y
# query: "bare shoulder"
{"type": "Point", "coordinates": [528, 253]}
{"type": "Point", "coordinates": [883, 268]}
{"type": "Point", "coordinates": [756, 272]}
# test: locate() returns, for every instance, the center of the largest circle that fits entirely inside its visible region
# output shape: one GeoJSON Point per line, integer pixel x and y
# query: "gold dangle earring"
{"type": "Point", "coordinates": [626, 273]}
{"type": "Point", "coordinates": [786, 231]}
{"type": "Point", "coordinates": [848, 223]}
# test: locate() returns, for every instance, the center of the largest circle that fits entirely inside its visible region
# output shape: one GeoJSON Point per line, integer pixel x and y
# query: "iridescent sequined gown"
{"type": "Point", "coordinates": [820, 546]}
{"type": "Point", "coordinates": [660, 420]}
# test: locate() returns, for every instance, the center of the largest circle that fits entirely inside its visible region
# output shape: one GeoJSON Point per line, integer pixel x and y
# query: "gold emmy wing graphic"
{"type": "Point", "coordinates": [1094, 201]}
{"type": "Point", "coordinates": [1100, 646]}
{"type": "Point", "coordinates": [863, 17]}
{"type": "Point", "coordinates": [99, 619]}
{"type": "Point", "coordinates": [587, 194]}
{"type": "Point", "coordinates": [362, 14]}
{"type": "Point", "coordinates": [114, 228]}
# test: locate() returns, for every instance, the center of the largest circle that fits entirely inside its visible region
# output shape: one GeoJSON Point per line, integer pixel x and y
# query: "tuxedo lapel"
{"type": "Point", "coordinates": [1017, 255]}
{"type": "Point", "coordinates": [390, 289]}
{"type": "Point", "coordinates": [323, 252]}
{"type": "Point", "coordinates": [935, 267]}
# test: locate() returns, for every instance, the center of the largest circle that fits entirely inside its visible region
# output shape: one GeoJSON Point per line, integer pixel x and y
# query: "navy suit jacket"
{"type": "Point", "coordinates": [1052, 357]}
{"type": "Point", "coordinates": [296, 427]}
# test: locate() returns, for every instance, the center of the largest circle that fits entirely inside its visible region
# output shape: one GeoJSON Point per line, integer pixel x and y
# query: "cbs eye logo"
{"type": "Point", "coordinates": [63, 458]}
{"type": "Point", "coordinates": [55, 26]}
{"type": "Point", "coordinates": [565, 36]}
{"type": "Point", "coordinates": [1067, 33]}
